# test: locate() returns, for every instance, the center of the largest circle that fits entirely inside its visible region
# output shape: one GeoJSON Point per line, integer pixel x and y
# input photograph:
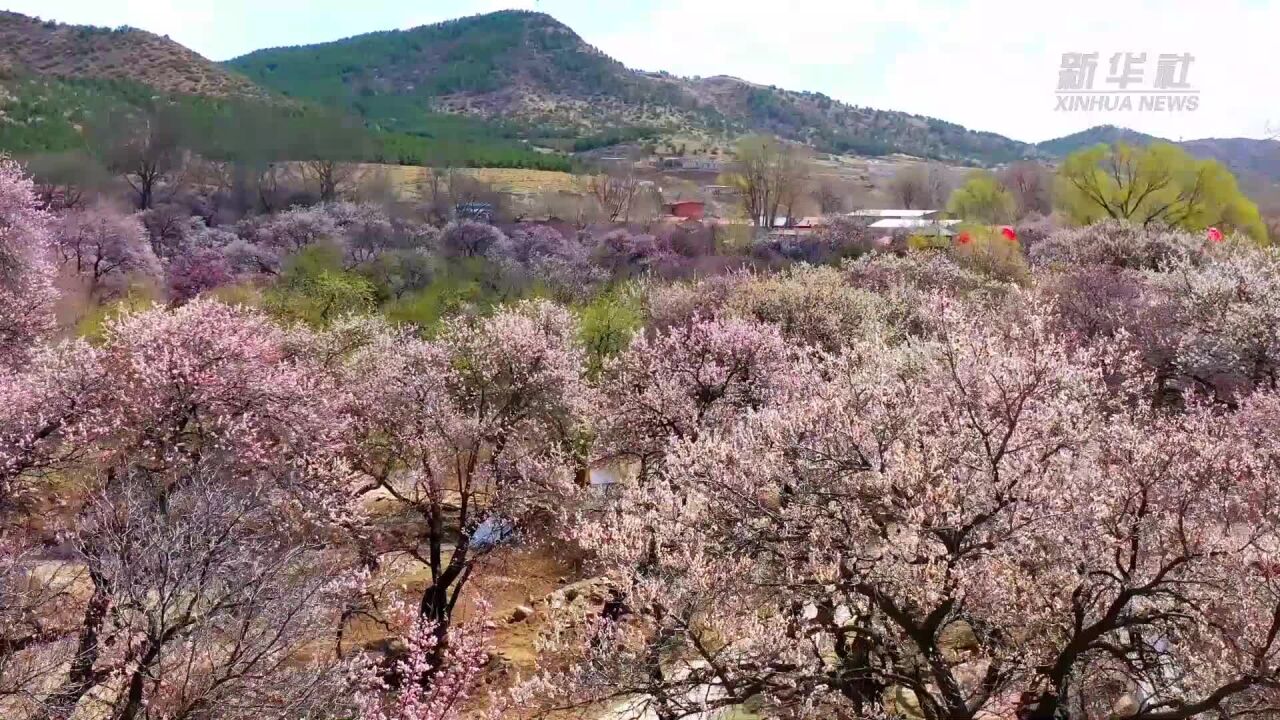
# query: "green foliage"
{"type": "Point", "coordinates": [425, 308]}
{"type": "Point", "coordinates": [468, 55]}
{"type": "Point", "coordinates": [982, 199]}
{"type": "Point", "coordinates": [242, 293]}
{"type": "Point", "coordinates": [920, 241]}
{"type": "Point", "coordinates": [472, 285]}
{"type": "Point", "coordinates": [394, 80]}
{"type": "Point", "coordinates": [990, 253]}
{"type": "Point", "coordinates": [92, 326]}
{"type": "Point", "coordinates": [314, 288]}
{"type": "Point", "coordinates": [43, 115]}
{"type": "Point", "coordinates": [607, 323]}
{"type": "Point", "coordinates": [568, 140]}
{"type": "Point", "coordinates": [847, 143]}
{"type": "Point", "coordinates": [445, 149]}
{"type": "Point", "coordinates": [1159, 183]}
{"type": "Point", "coordinates": [390, 79]}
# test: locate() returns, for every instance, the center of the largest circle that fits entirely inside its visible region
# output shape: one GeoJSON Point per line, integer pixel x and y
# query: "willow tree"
{"type": "Point", "coordinates": [983, 199]}
{"type": "Point", "coordinates": [1159, 184]}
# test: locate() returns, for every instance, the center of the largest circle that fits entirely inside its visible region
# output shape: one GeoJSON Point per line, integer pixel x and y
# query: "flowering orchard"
{"type": "Point", "coordinates": [955, 482]}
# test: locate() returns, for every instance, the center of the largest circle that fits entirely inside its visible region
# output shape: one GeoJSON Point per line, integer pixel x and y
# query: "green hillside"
{"type": "Point", "coordinates": [539, 80]}
{"type": "Point", "coordinates": [394, 80]}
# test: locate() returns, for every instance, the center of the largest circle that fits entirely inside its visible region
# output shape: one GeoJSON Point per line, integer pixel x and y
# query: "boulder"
{"type": "Point", "coordinates": [902, 703]}
{"type": "Point", "coordinates": [957, 639]}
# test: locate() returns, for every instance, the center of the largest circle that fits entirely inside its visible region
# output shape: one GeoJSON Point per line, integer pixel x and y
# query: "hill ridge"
{"type": "Point", "coordinates": [529, 66]}
{"type": "Point", "coordinates": [51, 49]}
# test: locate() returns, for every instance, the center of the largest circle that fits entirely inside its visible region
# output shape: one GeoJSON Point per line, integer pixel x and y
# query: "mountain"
{"type": "Point", "coordinates": [529, 68]}
{"type": "Point", "coordinates": [835, 126]}
{"type": "Point", "coordinates": [476, 90]}
{"type": "Point", "coordinates": [502, 65]}
{"type": "Point", "coordinates": [1108, 134]}
{"type": "Point", "coordinates": [1250, 159]}
{"type": "Point", "coordinates": [31, 46]}
{"type": "Point", "coordinates": [1246, 157]}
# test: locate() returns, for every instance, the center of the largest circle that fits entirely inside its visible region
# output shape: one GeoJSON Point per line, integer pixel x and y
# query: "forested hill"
{"type": "Point", "coordinates": [504, 65]}
{"type": "Point", "coordinates": [528, 67]}
{"type": "Point", "coordinates": [59, 84]}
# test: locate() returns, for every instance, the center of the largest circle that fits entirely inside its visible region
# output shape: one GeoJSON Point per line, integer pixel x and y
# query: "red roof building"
{"type": "Point", "coordinates": [688, 209]}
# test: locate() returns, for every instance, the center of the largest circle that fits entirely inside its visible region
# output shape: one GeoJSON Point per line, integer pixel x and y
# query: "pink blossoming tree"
{"type": "Point", "coordinates": [105, 248]}
{"type": "Point", "coordinates": [975, 521]}
{"type": "Point", "coordinates": [26, 275]}
{"type": "Point", "coordinates": [218, 481]}
{"type": "Point", "coordinates": [475, 434]}
{"type": "Point", "coordinates": [433, 683]}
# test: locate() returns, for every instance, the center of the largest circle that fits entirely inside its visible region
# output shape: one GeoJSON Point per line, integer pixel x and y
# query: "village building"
{"type": "Point", "coordinates": [687, 209]}
{"type": "Point", "coordinates": [477, 211]}
{"type": "Point", "coordinates": [918, 226]}
{"type": "Point", "coordinates": [876, 214]}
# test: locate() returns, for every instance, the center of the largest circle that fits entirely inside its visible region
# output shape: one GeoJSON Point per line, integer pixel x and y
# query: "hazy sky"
{"type": "Point", "coordinates": [989, 65]}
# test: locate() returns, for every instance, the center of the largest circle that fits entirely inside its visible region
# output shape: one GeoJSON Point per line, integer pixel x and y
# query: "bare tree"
{"type": "Point", "coordinates": [1032, 186]}
{"type": "Point", "coordinates": [431, 192]}
{"type": "Point", "coordinates": [577, 210]}
{"type": "Point", "coordinates": [920, 187]}
{"type": "Point", "coordinates": [329, 147]}
{"type": "Point", "coordinates": [829, 197]}
{"type": "Point", "coordinates": [329, 176]}
{"type": "Point", "coordinates": [771, 177]}
{"type": "Point", "coordinates": [67, 180]}
{"type": "Point", "coordinates": [36, 633]}
{"type": "Point", "coordinates": [375, 186]}
{"type": "Point", "coordinates": [646, 206]}
{"type": "Point", "coordinates": [144, 150]}
{"type": "Point", "coordinates": [615, 190]}
{"type": "Point", "coordinates": [270, 184]}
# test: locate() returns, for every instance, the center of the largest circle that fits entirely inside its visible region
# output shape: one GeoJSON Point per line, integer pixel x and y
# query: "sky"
{"type": "Point", "coordinates": [986, 64]}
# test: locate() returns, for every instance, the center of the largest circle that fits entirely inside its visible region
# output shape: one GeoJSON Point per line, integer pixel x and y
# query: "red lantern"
{"type": "Point", "coordinates": [1215, 235]}
{"type": "Point", "coordinates": [963, 238]}
{"type": "Point", "coordinates": [1009, 234]}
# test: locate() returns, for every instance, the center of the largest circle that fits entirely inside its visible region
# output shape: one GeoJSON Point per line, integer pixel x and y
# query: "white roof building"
{"type": "Point", "coordinates": [779, 221]}
{"type": "Point", "coordinates": [894, 213]}
{"type": "Point", "coordinates": [930, 227]}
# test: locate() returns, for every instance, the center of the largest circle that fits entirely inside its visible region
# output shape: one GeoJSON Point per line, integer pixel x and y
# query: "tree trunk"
{"type": "Point", "coordinates": [133, 699]}
{"type": "Point", "coordinates": [81, 677]}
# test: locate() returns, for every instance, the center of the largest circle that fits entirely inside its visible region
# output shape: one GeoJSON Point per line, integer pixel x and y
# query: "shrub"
{"type": "Point", "coordinates": [1118, 243]}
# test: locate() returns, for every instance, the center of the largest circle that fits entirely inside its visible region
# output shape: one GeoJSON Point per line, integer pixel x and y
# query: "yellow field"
{"type": "Point", "coordinates": [406, 179]}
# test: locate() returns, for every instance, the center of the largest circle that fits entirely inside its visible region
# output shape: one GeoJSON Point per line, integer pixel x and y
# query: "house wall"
{"type": "Point", "coordinates": [689, 210]}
